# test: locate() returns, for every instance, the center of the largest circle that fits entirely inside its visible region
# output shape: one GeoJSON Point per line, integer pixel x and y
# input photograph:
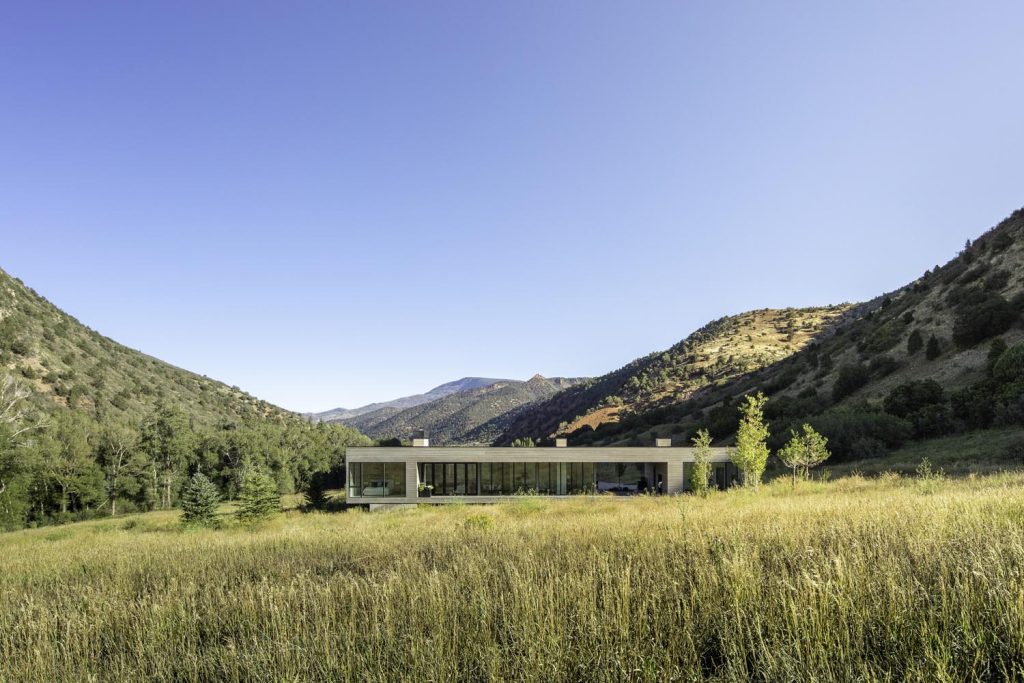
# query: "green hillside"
{"type": "Point", "coordinates": [91, 427]}
{"type": "Point", "coordinates": [474, 416]}
{"type": "Point", "coordinates": [70, 365]}
{"type": "Point", "coordinates": [942, 355]}
{"type": "Point", "coordinates": [709, 358]}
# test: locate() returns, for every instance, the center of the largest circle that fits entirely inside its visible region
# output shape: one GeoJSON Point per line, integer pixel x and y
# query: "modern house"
{"type": "Point", "coordinates": [421, 474]}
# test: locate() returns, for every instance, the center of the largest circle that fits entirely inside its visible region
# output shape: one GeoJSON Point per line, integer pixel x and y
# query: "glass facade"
{"type": "Point", "coordinates": [543, 478]}
{"type": "Point", "coordinates": [386, 480]}
{"type": "Point", "coordinates": [376, 479]}
{"type": "Point", "coordinates": [451, 479]}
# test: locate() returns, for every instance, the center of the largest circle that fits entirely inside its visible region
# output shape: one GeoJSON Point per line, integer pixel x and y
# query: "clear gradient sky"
{"type": "Point", "coordinates": [333, 203]}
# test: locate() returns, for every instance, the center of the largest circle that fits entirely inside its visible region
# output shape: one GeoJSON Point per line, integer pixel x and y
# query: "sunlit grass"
{"type": "Point", "coordinates": [852, 579]}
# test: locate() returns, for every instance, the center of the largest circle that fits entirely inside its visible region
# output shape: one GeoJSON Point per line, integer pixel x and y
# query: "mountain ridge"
{"type": "Point", "coordinates": [440, 391]}
{"type": "Point", "coordinates": [471, 416]}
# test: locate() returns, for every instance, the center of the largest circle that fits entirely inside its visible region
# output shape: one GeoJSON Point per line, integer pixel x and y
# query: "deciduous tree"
{"type": "Point", "coordinates": [701, 462]}
{"type": "Point", "coordinates": [804, 451]}
{"type": "Point", "coordinates": [751, 452]}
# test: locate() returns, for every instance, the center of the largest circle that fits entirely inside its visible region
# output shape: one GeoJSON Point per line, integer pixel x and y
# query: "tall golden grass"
{"type": "Point", "coordinates": [888, 579]}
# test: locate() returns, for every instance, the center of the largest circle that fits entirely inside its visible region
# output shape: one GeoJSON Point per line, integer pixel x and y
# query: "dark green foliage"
{"type": "Point", "coordinates": [997, 280]}
{"type": "Point", "coordinates": [1001, 240]}
{"type": "Point", "coordinates": [786, 407]}
{"type": "Point", "coordinates": [995, 350]}
{"type": "Point", "coordinates": [912, 396]}
{"type": "Point", "coordinates": [13, 334]}
{"type": "Point", "coordinates": [851, 378]}
{"type": "Point", "coordinates": [973, 274]}
{"type": "Point", "coordinates": [932, 421]}
{"type": "Point", "coordinates": [199, 501]}
{"type": "Point", "coordinates": [321, 484]}
{"type": "Point", "coordinates": [883, 365]}
{"type": "Point", "coordinates": [974, 406]}
{"type": "Point", "coordinates": [883, 338]}
{"type": "Point", "coordinates": [914, 342]}
{"type": "Point", "coordinates": [981, 317]}
{"type": "Point", "coordinates": [1009, 367]}
{"type": "Point", "coordinates": [258, 497]}
{"type": "Point", "coordinates": [932, 350]}
{"type": "Point", "coordinates": [857, 433]}
{"type": "Point", "coordinates": [783, 380]}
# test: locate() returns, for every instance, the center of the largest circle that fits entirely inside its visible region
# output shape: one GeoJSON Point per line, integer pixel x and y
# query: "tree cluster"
{"type": "Point", "coordinates": [67, 465]}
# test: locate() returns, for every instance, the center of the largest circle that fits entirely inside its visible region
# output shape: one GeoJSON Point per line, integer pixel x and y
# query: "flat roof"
{"type": "Point", "coordinates": [538, 454]}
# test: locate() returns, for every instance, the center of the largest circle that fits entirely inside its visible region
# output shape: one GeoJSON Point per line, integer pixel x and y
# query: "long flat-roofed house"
{"type": "Point", "coordinates": [421, 474]}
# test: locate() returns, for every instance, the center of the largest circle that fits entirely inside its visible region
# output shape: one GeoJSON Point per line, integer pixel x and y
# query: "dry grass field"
{"type": "Point", "coordinates": [894, 578]}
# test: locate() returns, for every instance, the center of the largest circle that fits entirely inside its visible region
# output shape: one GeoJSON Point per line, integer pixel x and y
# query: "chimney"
{"type": "Point", "coordinates": [663, 443]}
{"type": "Point", "coordinates": [419, 439]}
{"type": "Point", "coordinates": [561, 443]}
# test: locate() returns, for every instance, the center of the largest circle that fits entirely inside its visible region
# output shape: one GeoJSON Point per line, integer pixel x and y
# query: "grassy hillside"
{"type": "Point", "coordinates": [474, 416]}
{"type": "Point", "coordinates": [709, 358]}
{"type": "Point", "coordinates": [941, 334]}
{"type": "Point", "coordinates": [69, 365]}
{"type": "Point", "coordinates": [813, 584]}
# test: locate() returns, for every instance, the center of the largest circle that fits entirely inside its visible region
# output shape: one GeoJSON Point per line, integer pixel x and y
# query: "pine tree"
{"type": "Point", "coordinates": [701, 462]}
{"type": "Point", "coordinates": [199, 501]}
{"type": "Point", "coordinates": [751, 452]}
{"type": "Point", "coordinates": [933, 350]}
{"type": "Point", "coordinates": [914, 342]}
{"type": "Point", "coordinates": [258, 497]}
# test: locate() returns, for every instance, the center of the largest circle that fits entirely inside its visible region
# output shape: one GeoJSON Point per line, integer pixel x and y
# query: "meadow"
{"type": "Point", "coordinates": [890, 578]}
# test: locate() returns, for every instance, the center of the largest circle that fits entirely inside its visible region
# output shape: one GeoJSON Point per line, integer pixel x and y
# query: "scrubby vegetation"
{"type": "Point", "coordinates": [711, 357]}
{"type": "Point", "coordinates": [897, 578]}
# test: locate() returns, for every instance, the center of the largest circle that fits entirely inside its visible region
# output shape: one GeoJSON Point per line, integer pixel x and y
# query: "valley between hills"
{"type": "Point", "coordinates": [938, 359]}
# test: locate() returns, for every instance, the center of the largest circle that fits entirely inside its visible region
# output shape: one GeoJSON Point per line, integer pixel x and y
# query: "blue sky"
{"type": "Point", "coordinates": [333, 203]}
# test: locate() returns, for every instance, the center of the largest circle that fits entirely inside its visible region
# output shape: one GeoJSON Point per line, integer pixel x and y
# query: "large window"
{"type": "Point", "coordinates": [580, 477]}
{"type": "Point", "coordinates": [376, 479]}
{"type": "Point", "coordinates": [451, 479]}
{"type": "Point", "coordinates": [619, 477]}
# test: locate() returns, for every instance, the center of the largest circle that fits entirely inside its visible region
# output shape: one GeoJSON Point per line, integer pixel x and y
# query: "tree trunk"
{"type": "Point", "coordinates": [794, 476]}
{"type": "Point", "coordinates": [113, 506]}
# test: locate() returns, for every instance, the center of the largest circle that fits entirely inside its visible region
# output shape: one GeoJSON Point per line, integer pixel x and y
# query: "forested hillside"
{"type": "Point", "coordinates": [710, 357]}
{"type": "Point", "coordinates": [88, 426]}
{"type": "Point", "coordinates": [942, 355]}
{"type": "Point", "coordinates": [472, 416]}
